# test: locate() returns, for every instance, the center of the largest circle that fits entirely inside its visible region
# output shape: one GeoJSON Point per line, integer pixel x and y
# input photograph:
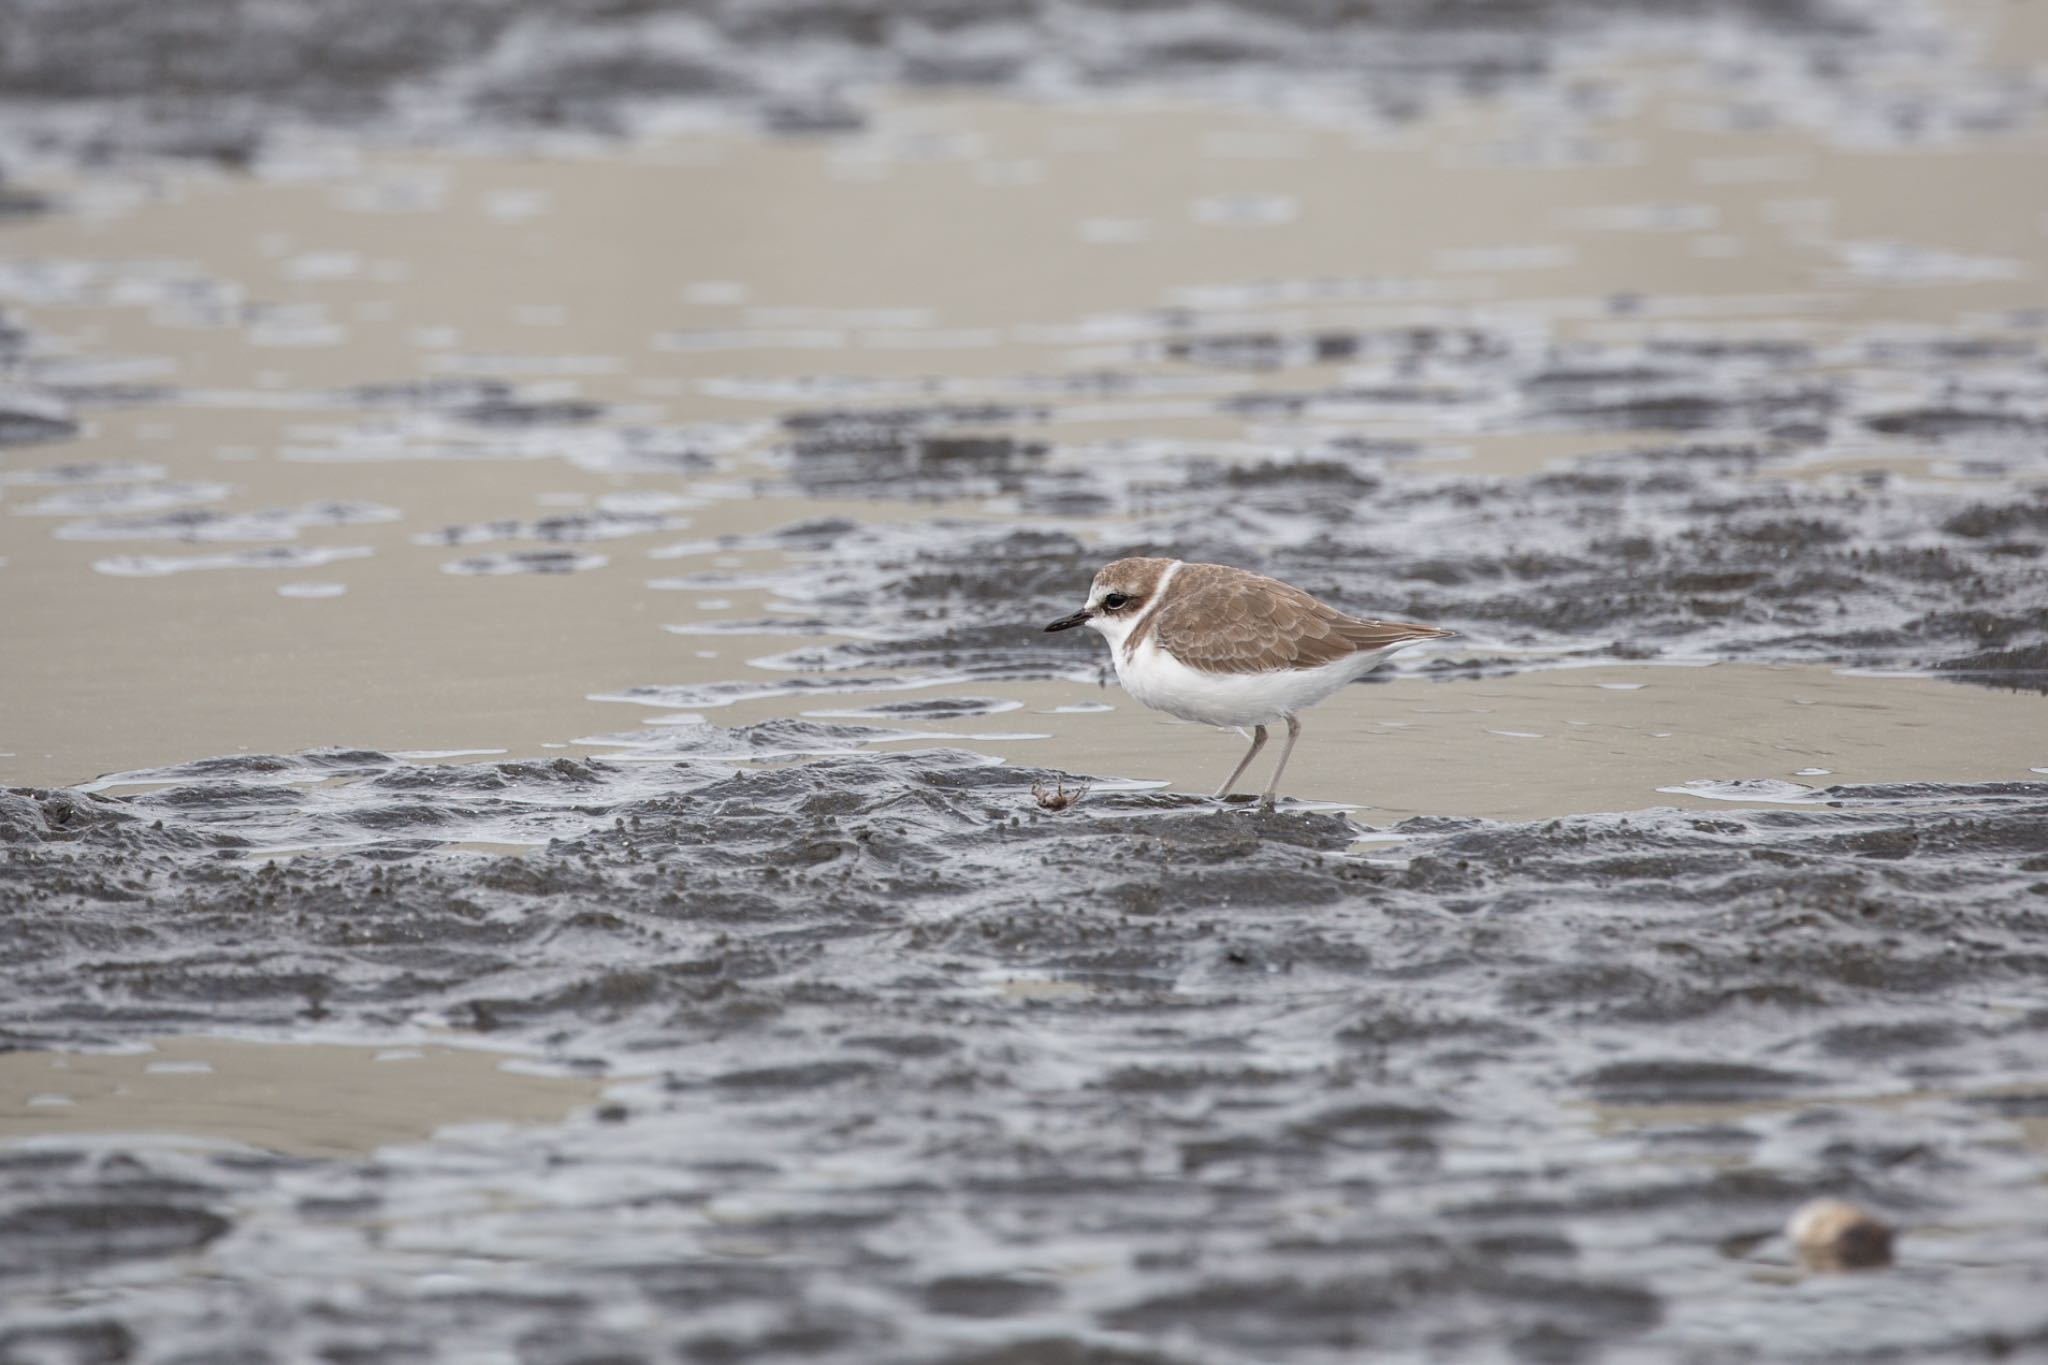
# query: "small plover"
{"type": "Point", "coordinates": [1224, 646]}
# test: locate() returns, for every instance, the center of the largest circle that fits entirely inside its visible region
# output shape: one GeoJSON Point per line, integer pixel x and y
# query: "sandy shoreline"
{"type": "Point", "coordinates": [539, 521]}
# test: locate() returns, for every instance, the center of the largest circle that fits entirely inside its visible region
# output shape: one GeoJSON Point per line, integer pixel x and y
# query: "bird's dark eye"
{"type": "Point", "coordinates": [1115, 600]}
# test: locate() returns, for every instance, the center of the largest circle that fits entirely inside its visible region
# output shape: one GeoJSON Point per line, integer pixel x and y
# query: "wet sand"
{"type": "Point", "coordinates": [546, 521]}
{"type": "Point", "coordinates": [1231, 1057]}
{"type": "Point", "coordinates": [724, 291]}
{"type": "Point", "coordinates": [302, 1099]}
{"type": "Point", "coordinates": [1531, 745]}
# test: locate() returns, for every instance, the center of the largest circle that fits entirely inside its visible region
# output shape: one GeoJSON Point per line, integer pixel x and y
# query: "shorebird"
{"type": "Point", "coordinates": [1224, 646]}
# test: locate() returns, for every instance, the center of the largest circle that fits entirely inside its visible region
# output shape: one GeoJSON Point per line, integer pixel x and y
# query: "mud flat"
{"type": "Point", "coordinates": [523, 533]}
{"type": "Point", "coordinates": [939, 1075]}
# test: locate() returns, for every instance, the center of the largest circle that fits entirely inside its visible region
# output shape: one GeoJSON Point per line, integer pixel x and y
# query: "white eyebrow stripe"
{"type": "Point", "coordinates": [1139, 626]}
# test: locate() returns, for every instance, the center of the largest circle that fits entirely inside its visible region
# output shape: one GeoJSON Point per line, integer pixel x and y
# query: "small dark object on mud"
{"type": "Point", "coordinates": [1832, 1234]}
{"type": "Point", "coordinates": [1058, 797]}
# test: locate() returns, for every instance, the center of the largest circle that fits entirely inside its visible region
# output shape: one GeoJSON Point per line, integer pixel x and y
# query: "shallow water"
{"type": "Point", "coordinates": [298, 1098]}
{"type": "Point", "coordinates": [601, 541]}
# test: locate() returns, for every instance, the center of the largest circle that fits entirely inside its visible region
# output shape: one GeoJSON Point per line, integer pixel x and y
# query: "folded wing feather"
{"type": "Point", "coordinates": [1227, 620]}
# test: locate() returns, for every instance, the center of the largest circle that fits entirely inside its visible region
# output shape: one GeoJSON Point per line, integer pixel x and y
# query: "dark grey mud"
{"type": "Point", "coordinates": [1672, 551]}
{"type": "Point", "coordinates": [1701, 540]}
{"type": "Point", "coordinates": [214, 80]}
{"type": "Point", "coordinates": [931, 1075]}
{"type": "Point", "coordinates": [1706, 536]}
{"type": "Point", "coordinates": [908, 1069]}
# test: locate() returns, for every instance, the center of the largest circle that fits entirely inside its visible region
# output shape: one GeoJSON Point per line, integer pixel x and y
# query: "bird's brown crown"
{"type": "Point", "coordinates": [1132, 578]}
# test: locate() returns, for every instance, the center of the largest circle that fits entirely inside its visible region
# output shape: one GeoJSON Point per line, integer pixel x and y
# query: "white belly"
{"type": "Point", "coordinates": [1164, 683]}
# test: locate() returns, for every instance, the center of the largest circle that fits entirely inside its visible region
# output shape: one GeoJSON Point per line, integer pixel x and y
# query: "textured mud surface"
{"type": "Point", "coordinates": [932, 1075]}
{"type": "Point", "coordinates": [1633, 363]}
{"type": "Point", "coordinates": [210, 80]}
{"type": "Point", "coordinates": [1673, 551]}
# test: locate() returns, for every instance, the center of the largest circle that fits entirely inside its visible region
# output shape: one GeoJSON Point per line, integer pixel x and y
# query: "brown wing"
{"type": "Point", "coordinates": [1229, 620]}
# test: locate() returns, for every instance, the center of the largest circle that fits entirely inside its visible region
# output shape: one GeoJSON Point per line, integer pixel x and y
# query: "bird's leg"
{"type": "Point", "coordinates": [1293, 733]}
{"type": "Point", "coordinates": [1258, 743]}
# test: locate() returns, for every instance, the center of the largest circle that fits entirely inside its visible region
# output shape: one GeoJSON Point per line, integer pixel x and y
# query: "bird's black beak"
{"type": "Point", "coordinates": [1069, 622]}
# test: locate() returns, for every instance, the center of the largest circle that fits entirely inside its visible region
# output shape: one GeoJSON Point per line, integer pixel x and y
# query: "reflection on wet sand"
{"type": "Point", "coordinates": [1550, 743]}
{"type": "Point", "coordinates": [304, 1099]}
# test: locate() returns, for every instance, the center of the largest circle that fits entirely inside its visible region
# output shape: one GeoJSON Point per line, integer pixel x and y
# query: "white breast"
{"type": "Point", "coordinates": [1164, 683]}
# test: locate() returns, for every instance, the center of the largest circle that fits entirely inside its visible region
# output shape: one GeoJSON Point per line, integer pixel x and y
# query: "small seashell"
{"type": "Point", "coordinates": [1832, 1234]}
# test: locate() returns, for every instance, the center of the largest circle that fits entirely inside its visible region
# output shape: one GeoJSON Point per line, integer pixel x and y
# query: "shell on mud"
{"type": "Point", "coordinates": [1833, 1234]}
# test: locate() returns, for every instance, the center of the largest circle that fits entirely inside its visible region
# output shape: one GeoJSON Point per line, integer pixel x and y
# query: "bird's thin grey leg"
{"type": "Point", "coordinates": [1258, 743]}
{"type": "Point", "coordinates": [1293, 733]}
